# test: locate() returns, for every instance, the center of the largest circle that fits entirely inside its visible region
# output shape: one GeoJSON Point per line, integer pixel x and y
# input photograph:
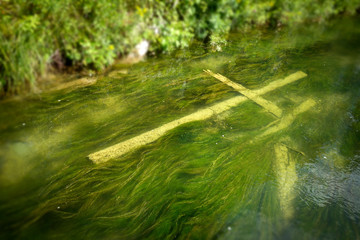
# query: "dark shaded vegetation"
{"type": "Point", "coordinates": [39, 35]}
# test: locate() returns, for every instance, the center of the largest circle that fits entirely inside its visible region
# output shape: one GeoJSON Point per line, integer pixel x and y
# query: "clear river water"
{"type": "Point", "coordinates": [163, 150]}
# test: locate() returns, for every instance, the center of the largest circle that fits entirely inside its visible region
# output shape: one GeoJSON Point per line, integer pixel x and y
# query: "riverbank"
{"type": "Point", "coordinates": [51, 37]}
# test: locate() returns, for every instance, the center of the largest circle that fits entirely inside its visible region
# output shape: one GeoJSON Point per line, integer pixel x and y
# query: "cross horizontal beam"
{"type": "Point", "coordinates": [131, 144]}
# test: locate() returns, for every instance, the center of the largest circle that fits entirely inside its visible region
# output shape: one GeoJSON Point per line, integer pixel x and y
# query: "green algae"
{"type": "Point", "coordinates": [216, 178]}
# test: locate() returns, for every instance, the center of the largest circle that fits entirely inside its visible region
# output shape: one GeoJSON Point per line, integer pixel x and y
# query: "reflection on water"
{"type": "Point", "coordinates": [236, 174]}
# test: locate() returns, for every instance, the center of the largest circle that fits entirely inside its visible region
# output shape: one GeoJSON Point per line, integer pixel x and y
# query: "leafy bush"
{"type": "Point", "coordinates": [86, 33]}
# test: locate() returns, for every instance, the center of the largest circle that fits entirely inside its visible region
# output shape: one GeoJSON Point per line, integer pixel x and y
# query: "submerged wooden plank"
{"type": "Point", "coordinates": [286, 177]}
{"type": "Point", "coordinates": [288, 119]}
{"type": "Point", "coordinates": [150, 136]}
{"type": "Point", "coordinates": [267, 105]}
{"type": "Point", "coordinates": [145, 138]}
{"type": "Point", "coordinates": [277, 84]}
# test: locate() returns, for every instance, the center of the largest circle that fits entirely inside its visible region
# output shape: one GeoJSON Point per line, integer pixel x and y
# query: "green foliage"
{"type": "Point", "coordinates": [92, 34]}
{"type": "Point", "coordinates": [320, 10]}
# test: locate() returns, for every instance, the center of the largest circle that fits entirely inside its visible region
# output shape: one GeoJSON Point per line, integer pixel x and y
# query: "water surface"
{"type": "Point", "coordinates": [220, 178]}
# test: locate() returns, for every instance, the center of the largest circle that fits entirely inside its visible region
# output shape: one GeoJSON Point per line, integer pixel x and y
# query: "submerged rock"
{"type": "Point", "coordinates": [82, 82]}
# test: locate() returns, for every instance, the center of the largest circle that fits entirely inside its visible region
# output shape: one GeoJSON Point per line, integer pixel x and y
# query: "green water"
{"type": "Point", "coordinates": [210, 179]}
